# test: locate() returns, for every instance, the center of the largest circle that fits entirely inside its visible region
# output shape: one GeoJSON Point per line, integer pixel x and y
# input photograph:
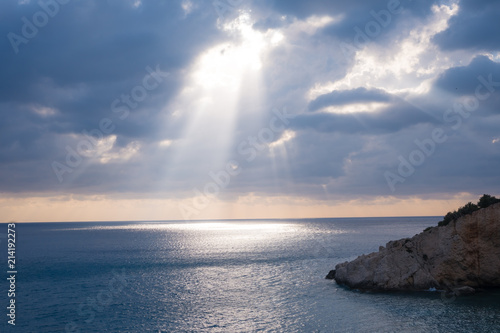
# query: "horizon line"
{"type": "Point", "coordinates": [223, 220]}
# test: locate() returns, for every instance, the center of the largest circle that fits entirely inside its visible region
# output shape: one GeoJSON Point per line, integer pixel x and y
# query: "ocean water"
{"type": "Point", "coordinates": [219, 276]}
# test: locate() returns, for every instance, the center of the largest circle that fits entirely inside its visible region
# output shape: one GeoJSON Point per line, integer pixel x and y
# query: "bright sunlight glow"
{"type": "Point", "coordinates": [219, 79]}
{"type": "Point", "coordinates": [225, 64]}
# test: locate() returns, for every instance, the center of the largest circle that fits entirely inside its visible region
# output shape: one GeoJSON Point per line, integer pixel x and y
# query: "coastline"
{"type": "Point", "coordinates": [463, 256]}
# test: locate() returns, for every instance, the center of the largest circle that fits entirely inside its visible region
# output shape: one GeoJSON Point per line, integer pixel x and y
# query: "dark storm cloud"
{"type": "Point", "coordinates": [302, 9]}
{"type": "Point", "coordinates": [343, 97]}
{"type": "Point", "coordinates": [392, 119]}
{"type": "Point", "coordinates": [375, 18]}
{"type": "Point", "coordinates": [466, 162]}
{"type": "Point", "coordinates": [476, 26]}
{"type": "Point", "coordinates": [464, 80]}
{"type": "Point", "coordinates": [479, 78]}
{"type": "Point", "coordinates": [350, 14]}
{"type": "Point", "coordinates": [97, 42]}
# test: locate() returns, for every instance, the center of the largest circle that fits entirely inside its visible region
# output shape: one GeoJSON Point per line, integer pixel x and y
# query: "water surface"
{"type": "Point", "coordinates": [221, 276]}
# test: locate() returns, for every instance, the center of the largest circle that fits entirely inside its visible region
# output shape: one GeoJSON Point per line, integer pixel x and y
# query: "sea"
{"type": "Point", "coordinates": [218, 276]}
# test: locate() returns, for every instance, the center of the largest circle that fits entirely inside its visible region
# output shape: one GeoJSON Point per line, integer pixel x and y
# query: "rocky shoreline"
{"type": "Point", "coordinates": [461, 256]}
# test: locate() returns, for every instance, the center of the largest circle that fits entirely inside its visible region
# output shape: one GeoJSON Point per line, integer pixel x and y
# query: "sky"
{"type": "Point", "coordinates": [187, 110]}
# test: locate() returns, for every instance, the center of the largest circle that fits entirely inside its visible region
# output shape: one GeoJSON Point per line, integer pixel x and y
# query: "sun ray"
{"type": "Point", "coordinates": [221, 78]}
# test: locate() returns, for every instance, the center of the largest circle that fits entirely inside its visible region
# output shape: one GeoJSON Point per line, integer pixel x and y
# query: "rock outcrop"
{"type": "Point", "coordinates": [464, 253]}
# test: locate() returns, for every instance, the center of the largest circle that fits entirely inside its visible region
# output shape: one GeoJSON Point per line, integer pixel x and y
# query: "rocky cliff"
{"type": "Point", "coordinates": [464, 253]}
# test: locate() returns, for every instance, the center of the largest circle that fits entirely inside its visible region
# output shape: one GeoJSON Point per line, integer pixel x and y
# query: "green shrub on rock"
{"type": "Point", "coordinates": [485, 201]}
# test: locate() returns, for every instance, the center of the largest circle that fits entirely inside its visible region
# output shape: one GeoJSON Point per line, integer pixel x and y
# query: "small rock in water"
{"type": "Point", "coordinates": [331, 275]}
{"type": "Point", "coordinates": [464, 291]}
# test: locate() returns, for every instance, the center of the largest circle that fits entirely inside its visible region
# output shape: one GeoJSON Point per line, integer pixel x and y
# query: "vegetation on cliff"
{"type": "Point", "coordinates": [485, 201]}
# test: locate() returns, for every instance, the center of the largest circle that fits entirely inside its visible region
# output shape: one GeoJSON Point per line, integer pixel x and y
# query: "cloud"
{"type": "Point", "coordinates": [87, 55]}
{"type": "Point", "coordinates": [464, 79]}
{"type": "Point", "coordinates": [391, 119]}
{"type": "Point", "coordinates": [481, 77]}
{"type": "Point", "coordinates": [358, 95]}
{"type": "Point", "coordinates": [474, 27]}
{"type": "Point", "coordinates": [353, 116]}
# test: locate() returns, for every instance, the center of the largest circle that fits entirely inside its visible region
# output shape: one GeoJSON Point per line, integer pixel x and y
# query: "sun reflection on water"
{"type": "Point", "coordinates": [200, 226]}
